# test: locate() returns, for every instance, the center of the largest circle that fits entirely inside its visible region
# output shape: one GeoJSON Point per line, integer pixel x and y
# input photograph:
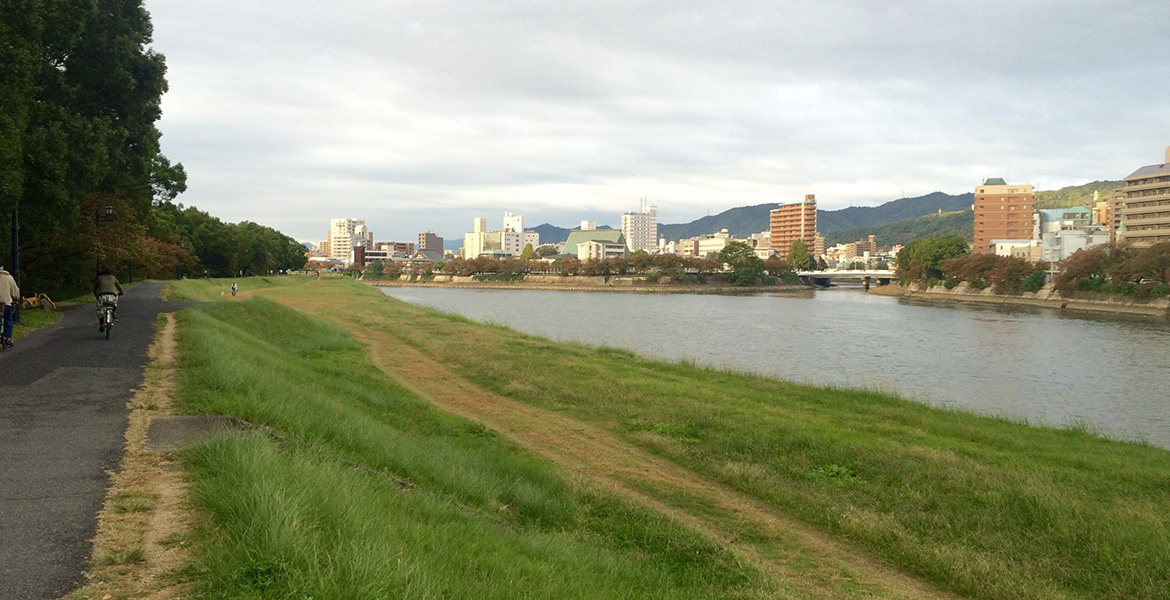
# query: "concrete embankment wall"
{"type": "Point", "coordinates": [1045, 298]}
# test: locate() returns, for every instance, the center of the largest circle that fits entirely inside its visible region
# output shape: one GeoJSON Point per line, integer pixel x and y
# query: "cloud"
{"type": "Point", "coordinates": [421, 115]}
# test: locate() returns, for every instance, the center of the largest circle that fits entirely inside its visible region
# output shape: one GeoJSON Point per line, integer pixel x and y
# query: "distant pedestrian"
{"type": "Point", "coordinates": [233, 288]}
{"type": "Point", "coordinates": [9, 296]}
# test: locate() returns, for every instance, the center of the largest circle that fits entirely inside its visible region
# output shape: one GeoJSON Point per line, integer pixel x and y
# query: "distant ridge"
{"type": "Point", "coordinates": [745, 220]}
{"type": "Point", "coordinates": [858, 221]}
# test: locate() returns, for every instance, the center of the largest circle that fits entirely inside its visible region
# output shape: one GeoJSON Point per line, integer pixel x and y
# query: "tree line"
{"type": "Point", "coordinates": [1108, 268]}
{"type": "Point", "coordinates": [81, 171]}
{"type": "Point", "coordinates": [737, 262]}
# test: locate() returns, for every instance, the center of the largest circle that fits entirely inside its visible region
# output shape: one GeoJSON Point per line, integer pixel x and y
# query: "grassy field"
{"type": "Point", "coordinates": [357, 489]}
{"type": "Point", "coordinates": [983, 507]}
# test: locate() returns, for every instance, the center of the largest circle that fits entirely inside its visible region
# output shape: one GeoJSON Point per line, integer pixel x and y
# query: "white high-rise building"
{"type": "Point", "coordinates": [641, 229]}
{"type": "Point", "coordinates": [344, 234]}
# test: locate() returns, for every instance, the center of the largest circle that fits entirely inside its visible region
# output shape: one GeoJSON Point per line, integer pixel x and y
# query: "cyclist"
{"type": "Point", "coordinates": [106, 289]}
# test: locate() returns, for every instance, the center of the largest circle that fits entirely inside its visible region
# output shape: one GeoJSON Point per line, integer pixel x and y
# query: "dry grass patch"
{"type": "Point", "coordinates": [140, 548]}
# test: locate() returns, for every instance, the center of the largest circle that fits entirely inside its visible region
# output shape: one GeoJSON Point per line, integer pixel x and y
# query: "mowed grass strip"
{"type": "Point", "coordinates": [986, 507]}
{"type": "Point", "coordinates": [354, 488]}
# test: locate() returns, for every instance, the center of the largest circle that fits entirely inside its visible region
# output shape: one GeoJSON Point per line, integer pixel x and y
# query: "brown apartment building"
{"type": "Point", "coordinates": [1002, 212]}
{"type": "Point", "coordinates": [1142, 206]}
{"type": "Point", "coordinates": [790, 222]}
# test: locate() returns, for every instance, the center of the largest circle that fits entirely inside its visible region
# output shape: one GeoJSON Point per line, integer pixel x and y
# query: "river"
{"type": "Point", "coordinates": [1111, 375]}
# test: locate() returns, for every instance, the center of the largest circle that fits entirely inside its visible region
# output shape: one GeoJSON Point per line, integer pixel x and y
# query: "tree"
{"type": "Point", "coordinates": [746, 267]}
{"type": "Point", "coordinates": [799, 256]}
{"type": "Point", "coordinates": [930, 252]}
{"type": "Point", "coordinates": [776, 266]}
{"type": "Point", "coordinates": [527, 253]}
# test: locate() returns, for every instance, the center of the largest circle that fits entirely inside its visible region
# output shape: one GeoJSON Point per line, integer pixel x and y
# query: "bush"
{"type": "Point", "coordinates": [1035, 280]}
{"type": "Point", "coordinates": [1161, 290]}
{"type": "Point", "coordinates": [978, 284]}
{"type": "Point", "coordinates": [950, 282]}
{"type": "Point", "coordinates": [653, 276]}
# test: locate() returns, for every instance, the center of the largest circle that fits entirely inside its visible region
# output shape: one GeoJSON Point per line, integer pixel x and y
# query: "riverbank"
{"type": "Point", "coordinates": [820, 492]}
{"type": "Point", "coordinates": [588, 284]}
{"type": "Point", "coordinates": [1045, 298]}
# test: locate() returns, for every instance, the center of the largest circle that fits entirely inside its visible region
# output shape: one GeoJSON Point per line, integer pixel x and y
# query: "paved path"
{"type": "Point", "coordinates": [63, 396]}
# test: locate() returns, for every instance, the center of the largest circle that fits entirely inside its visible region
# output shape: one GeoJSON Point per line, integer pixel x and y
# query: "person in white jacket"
{"type": "Point", "coordinates": [9, 296]}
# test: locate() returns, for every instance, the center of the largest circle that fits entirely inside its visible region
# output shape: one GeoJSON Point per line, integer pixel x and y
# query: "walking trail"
{"type": "Point", "coordinates": [794, 554]}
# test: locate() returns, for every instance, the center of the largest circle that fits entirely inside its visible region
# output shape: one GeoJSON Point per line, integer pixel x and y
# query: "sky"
{"type": "Point", "coordinates": [420, 116]}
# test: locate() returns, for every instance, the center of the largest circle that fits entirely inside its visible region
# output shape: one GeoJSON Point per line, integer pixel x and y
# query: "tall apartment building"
{"type": "Point", "coordinates": [345, 234]}
{"type": "Point", "coordinates": [1142, 206]}
{"type": "Point", "coordinates": [1002, 212]}
{"type": "Point", "coordinates": [641, 229]}
{"type": "Point", "coordinates": [791, 222]}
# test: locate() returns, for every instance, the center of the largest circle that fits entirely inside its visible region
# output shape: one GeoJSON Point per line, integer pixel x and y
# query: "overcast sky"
{"type": "Point", "coordinates": [422, 115]}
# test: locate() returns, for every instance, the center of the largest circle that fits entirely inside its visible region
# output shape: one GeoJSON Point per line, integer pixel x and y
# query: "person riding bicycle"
{"type": "Point", "coordinates": [106, 290]}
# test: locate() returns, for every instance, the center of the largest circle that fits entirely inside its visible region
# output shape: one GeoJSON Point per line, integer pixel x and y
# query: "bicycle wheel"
{"type": "Point", "coordinates": [109, 323]}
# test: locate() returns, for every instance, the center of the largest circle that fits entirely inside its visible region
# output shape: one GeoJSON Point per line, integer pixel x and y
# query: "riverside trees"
{"type": "Point", "coordinates": [80, 160]}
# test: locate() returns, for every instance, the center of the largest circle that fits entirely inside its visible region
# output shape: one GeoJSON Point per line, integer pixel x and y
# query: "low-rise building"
{"type": "Point", "coordinates": [601, 250]}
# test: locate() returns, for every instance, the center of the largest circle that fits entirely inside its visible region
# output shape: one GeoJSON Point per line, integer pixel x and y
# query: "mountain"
{"type": "Point", "coordinates": [890, 212]}
{"type": "Point", "coordinates": [745, 220]}
{"type": "Point", "coordinates": [903, 232]}
{"type": "Point", "coordinates": [1076, 195]}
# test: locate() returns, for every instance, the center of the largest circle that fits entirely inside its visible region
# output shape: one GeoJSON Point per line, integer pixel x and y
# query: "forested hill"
{"type": "Point", "coordinates": [890, 212]}
{"type": "Point", "coordinates": [1076, 195]}
{"type": "Point", "coordinates": [745, 220]}
{"type": "Point", "coordinates": [902, 232]}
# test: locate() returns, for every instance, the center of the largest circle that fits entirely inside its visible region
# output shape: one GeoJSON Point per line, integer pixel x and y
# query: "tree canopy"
{"type": "Point", "coordinates": [746, 267]}
{"type": "Point", "coordinates": [922, 258]}
{"type": "Point", "coordinates": [80, 160]}
{"type": "Point", "coordinates": [799, 257]}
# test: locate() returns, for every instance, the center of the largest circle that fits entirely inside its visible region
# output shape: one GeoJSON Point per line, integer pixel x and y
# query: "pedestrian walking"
{"type": "Point", "coordinates": [233, 288]}
{"type": "Point", "coordinates": [9, 296]}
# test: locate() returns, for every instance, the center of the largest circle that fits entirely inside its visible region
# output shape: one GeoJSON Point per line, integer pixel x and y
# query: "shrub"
{"type": "Point", "coordinates": [1035, 280]}
{"type": "Point", "coordinates": [950, 282]}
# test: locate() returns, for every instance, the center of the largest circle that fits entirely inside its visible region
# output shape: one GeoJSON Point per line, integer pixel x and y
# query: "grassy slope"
{"type": "Point", "coordinates": [361, 490]}
{"type": "Point", "coordinates": [986, 507]}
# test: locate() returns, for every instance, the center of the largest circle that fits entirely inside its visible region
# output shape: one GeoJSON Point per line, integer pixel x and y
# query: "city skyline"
{"type": "Point", "coordinates": [423, 116]}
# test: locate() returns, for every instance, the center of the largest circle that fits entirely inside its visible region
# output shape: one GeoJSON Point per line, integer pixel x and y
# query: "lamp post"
{"type": "Point", "coordinates": [15, 257]}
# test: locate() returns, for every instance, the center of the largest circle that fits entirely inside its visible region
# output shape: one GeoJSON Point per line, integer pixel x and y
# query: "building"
{"type": "Point", "coordinates": [429, 241]}
{"type": "Point", "coordinates": [601, 250]}
{"type": "Point", "coordinates": [1142, 206]}
{"type": "Point", "coordinates": [578, 236]}
{"type": "Point", "coordinates": [791, 222]}
{"type": "Point", "coordinates": [511, 240]}
{"type": "Point", "coordinates": [641, 229]}
{"type": "Point", "coordinates": [345, 235]}
{"type": "Point", "coordinates": [1002, 212]}
{"type": "Point", "coordinates": [709, 246]}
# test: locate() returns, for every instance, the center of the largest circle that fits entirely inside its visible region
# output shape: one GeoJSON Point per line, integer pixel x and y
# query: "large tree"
{"type": "Point", "coordinates": [799, 257]}
{"type": "Point", "coordinates": [80, 94]}
{"type": "Point", "coordinates": [746, 267]}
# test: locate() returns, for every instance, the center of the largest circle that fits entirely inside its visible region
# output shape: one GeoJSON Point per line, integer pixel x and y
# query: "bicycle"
{"type": "Point", "coordinates": [105, 315]}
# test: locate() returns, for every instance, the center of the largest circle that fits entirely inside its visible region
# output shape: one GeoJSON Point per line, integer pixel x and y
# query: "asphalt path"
{"type": "Point", "coordinates": [64, 391]}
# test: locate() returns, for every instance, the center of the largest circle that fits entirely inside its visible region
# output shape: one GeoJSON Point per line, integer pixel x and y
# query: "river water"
{"type": "Point", "coordinates": [1109, 374]}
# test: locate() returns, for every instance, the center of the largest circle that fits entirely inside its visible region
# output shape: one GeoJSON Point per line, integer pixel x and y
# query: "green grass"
{"type": "Point", "coordinates": [358, 489]}
{"type": "Point", "coordinates": [32, 319]}
{"type": "Point", "coordinates": [986, 507]}
{"type": "Point", "coordinates": [212, 289]}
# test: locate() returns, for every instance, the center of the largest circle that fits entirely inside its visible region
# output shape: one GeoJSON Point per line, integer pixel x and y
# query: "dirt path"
{"type": "Point", "coordinates": [793, 554]}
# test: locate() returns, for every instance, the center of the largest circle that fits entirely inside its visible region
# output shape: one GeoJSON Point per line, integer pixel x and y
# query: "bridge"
{"type": "Point", "coordinates": [827, 278]}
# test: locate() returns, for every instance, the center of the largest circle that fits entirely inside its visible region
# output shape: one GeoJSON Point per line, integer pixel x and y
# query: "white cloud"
{"type": "Point", "coordinates": [421, 115]}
